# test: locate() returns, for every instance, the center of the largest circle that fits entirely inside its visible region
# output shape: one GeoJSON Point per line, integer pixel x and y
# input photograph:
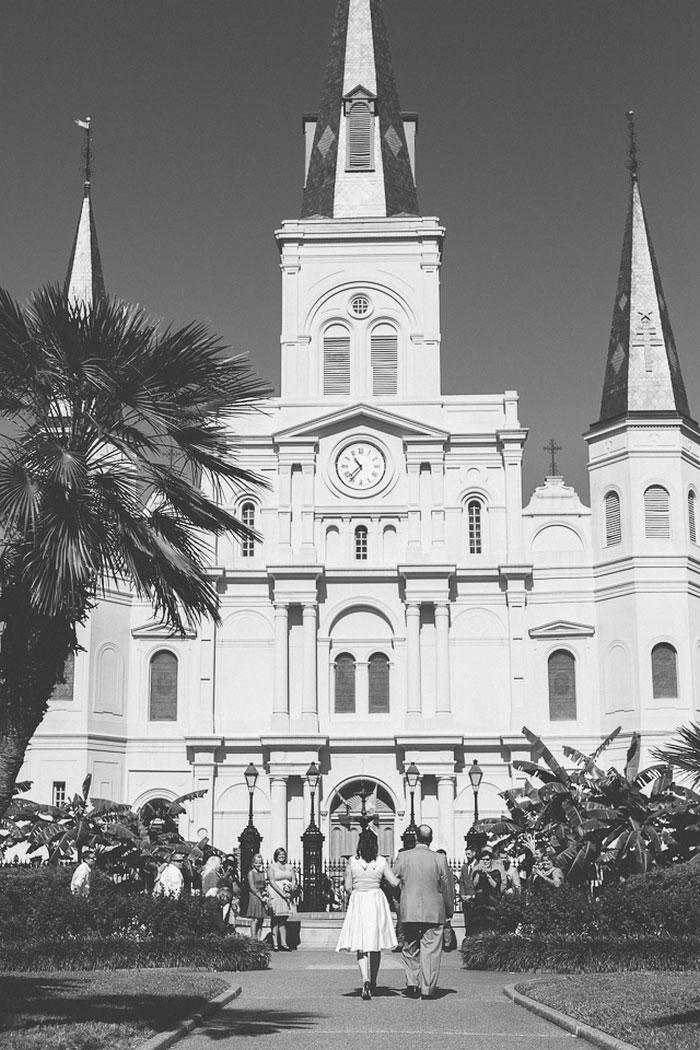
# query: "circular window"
{"type": "Point", "coordinates": [360, 305]}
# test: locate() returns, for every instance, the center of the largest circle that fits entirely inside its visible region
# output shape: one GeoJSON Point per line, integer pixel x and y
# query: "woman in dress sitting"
{"type": "Point", "coordinates": [282, 883]}
{"type": "Point", "coordinates": [367, 928]}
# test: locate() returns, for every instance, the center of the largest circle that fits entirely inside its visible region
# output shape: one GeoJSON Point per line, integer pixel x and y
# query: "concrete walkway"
{"type": "Point", "coordinates": [310, 1000]}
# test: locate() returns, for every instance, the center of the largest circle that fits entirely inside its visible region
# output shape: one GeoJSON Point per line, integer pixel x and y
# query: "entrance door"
{"type": "Point", "coordinates": [346, 810]}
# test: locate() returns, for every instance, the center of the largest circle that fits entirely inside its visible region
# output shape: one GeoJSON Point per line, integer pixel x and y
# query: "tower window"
{"type": "Point", "coordinates": [384, 360]}
{"type": "Point", "coordinates": [664, 671]}
{"type": "Point", "coordinates": [359, 305]}
{"type": "Point", "coordinates": [360, 126]}
{"type": "Point", "coordinates": [474, 510]}
{"type": "Point", "coordinates": [361, 545]}
{"type": "Point", "coordinates": [248, 519]}
{"type": "Point", "coordinates": [378, 671]}
{"type": "Point", "coordinates": [163, 688]}
{"type": "Point", "coordinates": [336, 360]}
{"type": "Point", "coordinates": [345, 684]}
{"type": "Point", "coordinates": [613, 528]}
{"type": "Point", "coordinates": [692, 528]}
{"type": "Point", "coordinates": [657, 517]}
{"type": "Point", "coordinates": [561, 675]}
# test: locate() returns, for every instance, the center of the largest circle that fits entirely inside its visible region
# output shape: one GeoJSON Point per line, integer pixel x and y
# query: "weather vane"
{"type": "Point", "coordinates": [632, 147]}
{"type": "Point", "coordinates": [552, 448]}
{"type": "Point", "coordinates": [87, 149]}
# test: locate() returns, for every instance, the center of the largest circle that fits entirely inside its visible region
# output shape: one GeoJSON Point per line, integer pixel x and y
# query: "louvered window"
{"type": "Point", "coordinates": [345, 684]}
{"type": "Point", "coordinates": [163, 688]}
{"type": "Point", "coordinates": [336, 361]}
{"type": "Point", "coordinates": [385, 359]}
{"type": "Point", "coordinates": [657, 518]}
{"type": "Point", "coordinates": [474, 524]}
{"type": "Point", "coordinates": [248, 519]}
{"type": "Point", "coordinates": [360, 123]}
{"type": "Point", "coordinates": [361, 546]}
{"type": "Point", "coordinates": [692, 529]}
{"type": "Point", "coordinates": [561, 672]}
{"type": "Point", "coordinates": [664, 671]}
{"type": "Point", "coordinates": [613, 529]}
{"type": "Point", "coordinates": [378, 670]}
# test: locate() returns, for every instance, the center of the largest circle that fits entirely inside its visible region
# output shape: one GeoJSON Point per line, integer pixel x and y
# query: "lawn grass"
{"type": "Point", "coordinates": [115, 1009]}
{"type": "Point", "coordinates": [654, 1011]}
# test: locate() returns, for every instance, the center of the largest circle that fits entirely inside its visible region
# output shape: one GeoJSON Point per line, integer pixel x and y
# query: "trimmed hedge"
{"type": "Point", "coordinates": [508, 951]}
{"type": "Point", "coordinates": [225, 953]}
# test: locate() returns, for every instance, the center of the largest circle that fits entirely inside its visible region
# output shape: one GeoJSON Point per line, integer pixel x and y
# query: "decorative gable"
{"type": "Point", "coordinates": [157, 629]}
{"type": "Point", "coordinates": [562, 629]}
{"type": "Point", "coordinates": [358, 415]}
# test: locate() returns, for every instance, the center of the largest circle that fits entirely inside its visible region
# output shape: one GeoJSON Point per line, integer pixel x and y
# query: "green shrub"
{"type": "Point", "coordinates": [507, 951]}
{"type": "Point", "coordinates": [663, 902]}
{"type": "Point", "coordinates": [206, 953]}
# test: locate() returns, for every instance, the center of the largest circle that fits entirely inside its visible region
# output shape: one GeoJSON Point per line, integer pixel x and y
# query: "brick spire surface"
{"type": "Point", "coordinates": [643, 374]}
{"type": "Point", "coordinates": [360, 64]}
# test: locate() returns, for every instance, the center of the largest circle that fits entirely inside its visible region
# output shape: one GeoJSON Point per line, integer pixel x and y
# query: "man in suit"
{"type": "Point", "coordinates": [427, 900]}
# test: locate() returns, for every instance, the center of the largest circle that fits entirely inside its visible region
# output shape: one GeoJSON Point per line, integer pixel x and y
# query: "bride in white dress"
{"type": "Point", "coordinates": [368, 927]}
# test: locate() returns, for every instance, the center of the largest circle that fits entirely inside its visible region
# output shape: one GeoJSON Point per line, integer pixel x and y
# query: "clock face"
{"type": "Point", "coordinates": [360, 466]}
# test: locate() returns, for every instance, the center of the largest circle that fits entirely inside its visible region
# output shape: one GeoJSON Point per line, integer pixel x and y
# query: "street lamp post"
{"type": "Point", "coordinates": [475, 838]}
{"type": "Point", "coordinates": [312, 843]}
{"type": "Point", "coordinates": [249, 839]}
{"type": "Point", "coordinates": [409, 836]}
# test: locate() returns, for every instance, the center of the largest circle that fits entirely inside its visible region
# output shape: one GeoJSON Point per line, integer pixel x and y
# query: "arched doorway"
{"type": "Point", "coordinates": [347, 806]}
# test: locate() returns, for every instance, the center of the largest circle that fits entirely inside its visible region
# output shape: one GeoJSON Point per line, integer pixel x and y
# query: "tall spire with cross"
{"type": "Point", "coordinates": [360, 164]}
{"type": "Point", "coordinates": [643, 374]}
{"type": "Point", "coordinates": [84, 283]}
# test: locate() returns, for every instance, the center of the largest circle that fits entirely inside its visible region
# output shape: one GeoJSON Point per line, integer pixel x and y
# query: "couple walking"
{"type": "Point", "coordinates": [427, 900]}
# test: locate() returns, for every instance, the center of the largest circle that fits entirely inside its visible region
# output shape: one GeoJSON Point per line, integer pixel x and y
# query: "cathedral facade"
{"type": "Point", "coordinates": [402, 605]}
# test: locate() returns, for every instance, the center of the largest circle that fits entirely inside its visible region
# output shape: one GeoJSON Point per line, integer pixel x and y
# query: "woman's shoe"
{"type": "Point", "coordinates": [275, 948]}
{"type": "Point", "coordinates": [367, 991]}
{"type": "Point", "coordinates": [285, 948]}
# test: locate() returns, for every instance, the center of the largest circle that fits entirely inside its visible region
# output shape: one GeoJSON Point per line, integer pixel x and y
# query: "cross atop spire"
{"type": "Point", "coordinates": [643, 374]}
{"type": "Point", "coordinates": [84, 282]}
{"type": "Point", "coordinates": [359, 163]}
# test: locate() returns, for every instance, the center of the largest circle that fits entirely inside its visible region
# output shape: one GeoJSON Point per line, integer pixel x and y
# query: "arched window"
{"type": "Point", "coordinates": [248, 519]}
{"type": "Point", "coordinates": [613, 528]}
{"type": "Point", "coordinates": [336, 360]}
{"type": "Point", "coordinates": [474, 512]}
{"type": "Point", "coordinates": [378, 669]}
{"type": "Point", "coordinates": [657, 516]}
{"type": "Point", "coordinates": [345, 684]}
{"type": "Point", "coordinates": [664, 671]}
{"type": "Point", "coordinates": [692, 528]}
{"type": "Point", "coordinates": [163, 688]}
{"type": "Point", "coordinates": [561, 674]}
{"type": "Point", "coordinates": [384, 354]}
{"type": "Point", "coordinates": [361, 548]}
{"type": "Point", "coordinates": [360, 125]}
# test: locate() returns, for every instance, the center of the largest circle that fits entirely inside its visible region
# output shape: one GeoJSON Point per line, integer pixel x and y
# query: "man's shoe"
{"type": "Point", "coordinates": [412, 991]}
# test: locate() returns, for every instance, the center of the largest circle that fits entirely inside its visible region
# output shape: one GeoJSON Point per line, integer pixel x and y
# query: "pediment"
{"type": "Point", "coordinates": [356, 416]}
{"type": "Point", "coordinates": [359, 92]}
{"type": "Point", "coordinates": [562, 629]}
{"type": "Point", "coordinates": [157, 629]}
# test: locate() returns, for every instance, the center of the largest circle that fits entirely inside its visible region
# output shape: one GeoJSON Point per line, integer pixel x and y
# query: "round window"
{"type": "Point", "coordinates": [359, 305]}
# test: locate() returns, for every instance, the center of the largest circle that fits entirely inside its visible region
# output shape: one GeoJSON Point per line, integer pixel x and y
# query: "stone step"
{"type": "Point", "coordinates": [320, 929]}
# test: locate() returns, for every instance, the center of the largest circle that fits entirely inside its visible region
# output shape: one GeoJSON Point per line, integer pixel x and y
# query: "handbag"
{"type": "Point", "coordinates": [449, 938]}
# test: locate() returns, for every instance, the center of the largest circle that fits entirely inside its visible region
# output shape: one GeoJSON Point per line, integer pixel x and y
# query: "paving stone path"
{"type": "Point", "coordinates": [310, 1000]}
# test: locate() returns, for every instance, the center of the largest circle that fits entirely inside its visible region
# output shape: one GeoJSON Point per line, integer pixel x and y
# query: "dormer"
{"type": "Point", "coordinates": [360, 109]}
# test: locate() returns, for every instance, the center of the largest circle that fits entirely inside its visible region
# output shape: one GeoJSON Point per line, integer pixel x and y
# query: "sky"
{"type": "Point", "coordinates": [196, 112]}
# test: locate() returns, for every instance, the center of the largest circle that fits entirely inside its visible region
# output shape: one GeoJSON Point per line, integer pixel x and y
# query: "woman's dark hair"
{"type": "Point", "coordinates": [276, 854]}
{"type": "Point", "coordinates": [367, 846]}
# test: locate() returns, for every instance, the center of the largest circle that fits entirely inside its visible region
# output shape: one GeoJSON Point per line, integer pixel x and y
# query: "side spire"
{"type": "Point", "coordinates": [84, 283]}
{"type": "Point", "coordinates": [360, 164]}
{"type": "Point", "coordinates": [643, 373]}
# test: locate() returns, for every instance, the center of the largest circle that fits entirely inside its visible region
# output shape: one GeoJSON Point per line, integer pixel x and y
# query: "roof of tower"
{"type": "Point", "coordinates": [360, 59]}
{"type": "Point", "coordinates": [643, 373]}
{"type": "Point", "coordinates": [84, 282]}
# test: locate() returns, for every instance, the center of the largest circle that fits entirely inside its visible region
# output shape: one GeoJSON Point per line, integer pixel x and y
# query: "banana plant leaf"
{"type": "Point", "coordinates": [605, 744]}
{"type": "Point", "coordinates": [541, 751]}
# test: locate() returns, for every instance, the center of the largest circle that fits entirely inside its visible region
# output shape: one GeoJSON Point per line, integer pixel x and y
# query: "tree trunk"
{"type": "Point", "coordinates": [13, 745]}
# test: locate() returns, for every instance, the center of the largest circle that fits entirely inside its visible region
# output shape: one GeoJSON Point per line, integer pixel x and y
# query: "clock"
{"type": "Point", "coordinates": [360, 466]}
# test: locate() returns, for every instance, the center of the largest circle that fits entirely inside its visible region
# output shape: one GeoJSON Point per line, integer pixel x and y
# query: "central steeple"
{"type": "Point", "coordinates": [359, 163]}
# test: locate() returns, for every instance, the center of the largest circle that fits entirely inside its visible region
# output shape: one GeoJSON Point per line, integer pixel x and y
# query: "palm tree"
{"type": "Point", "coordinates": [117, 455]}
{"type": "Point", "coordinates": [684, 752]}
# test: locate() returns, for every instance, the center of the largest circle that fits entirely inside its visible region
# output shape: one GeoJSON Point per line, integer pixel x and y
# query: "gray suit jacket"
{"type": "Point", "coordinates": [427, 886]}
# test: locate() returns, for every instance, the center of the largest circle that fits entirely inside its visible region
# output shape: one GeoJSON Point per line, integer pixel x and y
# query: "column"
{"type": "Point", "coordinates": [413, 512]}
{"type": "Point", "coordinates": [442, 638]}
{"type": "Point", "coordinates": [285, 508]}
{"type": "Point", "coordinates": [446, 814]}
{"type": "Point", "coordinates": [307, 513]}
{"type": "Point", "coordinates": [516, 597]}
{"type": "Point", "coordinates": [437, 474]}
{"type": "Point", "coordinates": [309, 706]}
{"type": "Point", "coordinates": [278, 812]}
{"type": "Point", "coordinates": [280, 699]}
{"type": "Point", "coordinates": [413, 692]}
